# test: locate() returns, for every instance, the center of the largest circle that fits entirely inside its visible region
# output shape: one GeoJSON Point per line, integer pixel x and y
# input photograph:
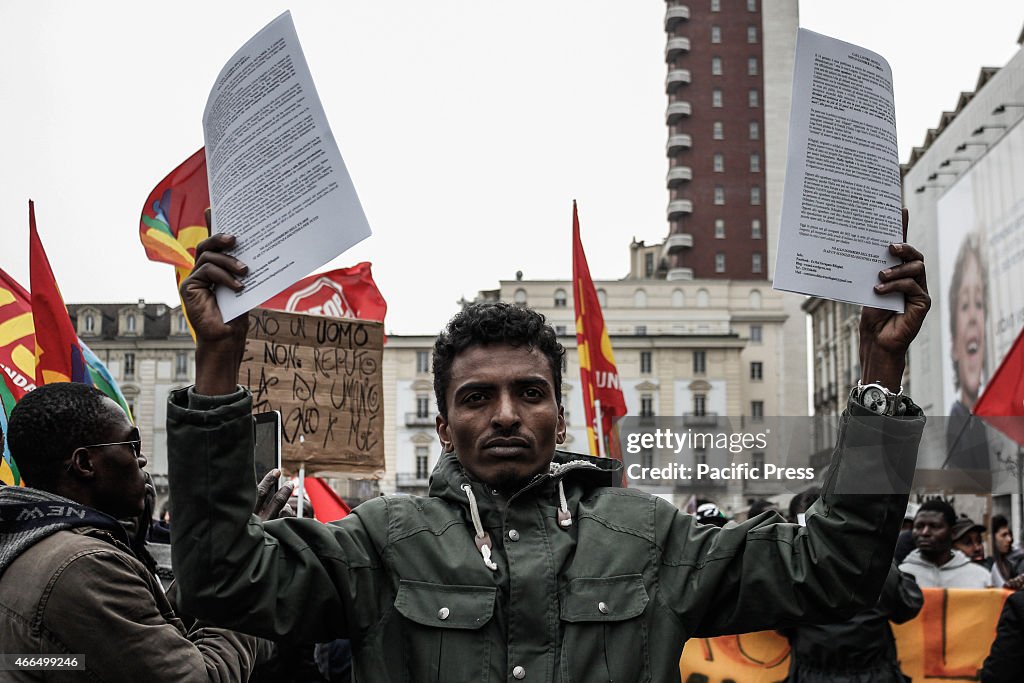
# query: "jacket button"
{"type": "Point", "coordinates": [519, 673]}
{"type": "Point", "coordinates": [443, 613]}
{"type": "Point", "coordinates": [602, 608]}
{"type": "Point", "coordinates": [513, 535]}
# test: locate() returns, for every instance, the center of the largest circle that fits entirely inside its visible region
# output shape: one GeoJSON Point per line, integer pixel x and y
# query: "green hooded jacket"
{"type": "Point", "coordinates": [611, 595]}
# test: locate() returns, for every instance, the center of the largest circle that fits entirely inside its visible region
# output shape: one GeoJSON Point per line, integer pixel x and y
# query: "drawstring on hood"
{"type": "Point", "coordinates": [564, 516]}
{"type": "Point", "coordinates": [482, 538]}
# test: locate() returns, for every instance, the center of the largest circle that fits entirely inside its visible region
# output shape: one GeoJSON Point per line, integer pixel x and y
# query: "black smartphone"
{"type": "Point", "coordinates": [268, 444]}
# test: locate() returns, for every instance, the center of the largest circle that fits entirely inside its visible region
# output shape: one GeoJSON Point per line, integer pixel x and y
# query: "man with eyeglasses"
{"type": "Point", "coordinates": [71, 591]}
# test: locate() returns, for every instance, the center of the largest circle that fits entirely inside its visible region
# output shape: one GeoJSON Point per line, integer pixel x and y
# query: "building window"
{"type": "Point", "coordinates": [129, 323]}
{"type": "Point", "coordinates": [640, 330]}
{"type": "Point", "coordinates": [90, 323]}
{"type": "Point", "coordinates": [756, 334]}
{"type": "Point", "coordinates": [755, 195]}
{"type": "Point", "coordinates": [422, 361]}
{"type": "Point", "coordinates": [719, 195]}
{"type": "Point", "coordinates": [751, 5]}
{"type": "Point", "coordinates": [560, 329]}
{"type": "Point", "coordinates": [647, 458]}
{"type": "Point", "coordinates": [716, 98]}
{"type": "Point", "coordinates": [755, 299]}
{"type": "Point", "coordinates": [752, 66]}
{"type": "Point", "coordinates": [755, 229]}
{"type": "Point", "coordinates": [700, 402]}
{"type": "Point", "coordinates": [716, 66]}
{"type": "Point", "coordinates": [646, 405]}
{"type": "Point", "coordinates": [422, 406]}
{"type": "Point", "coordinates": [757, 410]}
{"type": "Point", "coordinates": [602, 298]}
{"type": "Point", "coordinates": [182, 324]}
{"type": "Point", "coordinates": [700, 362]}
{"type": "Point", "coordinates": [751, 34]}
{"type": "Point", "coordinates": [678, 298]}
{"type": "Point", "coordinates": [129, 365]}
{"type": "Point", "coordinates": [716, 34]}
{"type": "Point", "coordinates": [718, 163]}
{"type": "Point", "coordinates": [703, 298]}
{"type": "Point", "coordinates": [757, 370]}
{"type": "Point", "coordinates": [700, 456]}
{"type": "Point", "coordinates": [755, 130]}
{"type": "Point", "coordinates": [717, 132]}
{"type": "Point", "coordinates": [560, 298]}
{"type": "Point", "coordinates": [645, 362]}
{"type": "Point", "coordinates": [181, 364]}
{"type": "Point", "coordinates": [422, 460]}
{"type": "Point", "coordinates": [753, 99]}
{"type": "Point", "coordinates": [719, 262]}
{"type": "Point", "coordinates": [755, 263]}
{"type": "Point", "coordinates": [716, 5]}
{"type": "Point", "coordinates": [755, 162]}
{"type": "Point", "coordinates": [640, 299]}
{"type": "Point", "coordinates": [648, 264]}
{"type": "Point", "coordinates": [519, 297]}
{"type": "Point", "coordinates": [720, 228]}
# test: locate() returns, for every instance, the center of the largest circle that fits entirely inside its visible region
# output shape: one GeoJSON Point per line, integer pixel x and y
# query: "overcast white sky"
{"type": "Point", "coordinates": [468, 126]}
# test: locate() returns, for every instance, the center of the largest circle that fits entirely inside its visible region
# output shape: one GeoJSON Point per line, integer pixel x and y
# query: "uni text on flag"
{"type": "Point", "coordinates": [598, 375]}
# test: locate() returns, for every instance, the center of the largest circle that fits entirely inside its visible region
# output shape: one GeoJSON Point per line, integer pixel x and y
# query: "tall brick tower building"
{"type": "Point", "coordinates": [729, 67]}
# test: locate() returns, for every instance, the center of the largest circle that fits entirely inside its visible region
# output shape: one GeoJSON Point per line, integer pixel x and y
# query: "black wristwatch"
{"type": "Point", "coordinates": [877, 398]}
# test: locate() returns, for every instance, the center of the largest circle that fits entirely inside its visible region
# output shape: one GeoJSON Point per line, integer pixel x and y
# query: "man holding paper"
{"type": "Point", "coordinates": [525, 562]}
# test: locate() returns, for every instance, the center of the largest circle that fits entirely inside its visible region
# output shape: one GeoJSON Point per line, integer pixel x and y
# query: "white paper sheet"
{"type": "Point", "coordinates": [277, 179]}
{"type": "Point", "coordinates": [841, 205]}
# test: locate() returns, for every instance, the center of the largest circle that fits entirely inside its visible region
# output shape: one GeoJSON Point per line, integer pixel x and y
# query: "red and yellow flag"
{"type": "Point", "coordinates": [172, 222]}
{"type": "Point", "coordinates": [598, 375]}
{"type": "Point", "coordinates": [58, 355]}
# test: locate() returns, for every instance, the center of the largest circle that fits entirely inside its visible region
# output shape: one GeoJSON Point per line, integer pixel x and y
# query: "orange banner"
{"type": "Point", "coordinates": [947, 641]}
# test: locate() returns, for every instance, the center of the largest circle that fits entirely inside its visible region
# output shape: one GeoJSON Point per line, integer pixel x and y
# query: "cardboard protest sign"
{"type": "Point", "coordinates": [324, 375]}
{"type": "Point", "coordinates": [948, 640]}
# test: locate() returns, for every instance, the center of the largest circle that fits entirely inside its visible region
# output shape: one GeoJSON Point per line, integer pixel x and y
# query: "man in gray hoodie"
{"type": "Point", "coordinates": [934, 563]}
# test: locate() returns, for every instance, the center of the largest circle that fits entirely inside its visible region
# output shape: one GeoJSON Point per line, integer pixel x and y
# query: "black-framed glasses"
{"type": "Point", "coordinates": [136, 445]}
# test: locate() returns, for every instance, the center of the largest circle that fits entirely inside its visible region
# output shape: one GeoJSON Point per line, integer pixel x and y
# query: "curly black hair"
{"type": "Point", "coordinates": [49, 423]}
{"type": "Point", "coordinates": [940, 506]}
{"type": "Point", "coordinates": [483, 323]}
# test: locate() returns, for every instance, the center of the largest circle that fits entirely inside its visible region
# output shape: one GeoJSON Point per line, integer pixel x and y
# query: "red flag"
{"type": "Point", "coordinates": [598, 375]}
{"type": "Point", "coordinates": [343, 293]}
{"type": "Point", "coordinates": [328, 506]}
{"type": "Point", "coordinates": [1002, 403]}
{"type": "Point", "coordinates": [59, 357]}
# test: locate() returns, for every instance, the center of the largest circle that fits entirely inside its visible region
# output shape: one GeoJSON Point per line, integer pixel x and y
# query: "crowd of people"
{"type": "Point", "coordinates": [524, 561]}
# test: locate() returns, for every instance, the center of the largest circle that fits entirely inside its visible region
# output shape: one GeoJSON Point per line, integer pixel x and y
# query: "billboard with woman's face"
{"type": "Point", "coordinates": [980, 296]}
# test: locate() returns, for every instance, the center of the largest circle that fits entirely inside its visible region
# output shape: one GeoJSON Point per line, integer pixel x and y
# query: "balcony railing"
{"type": "Point", "coordinates": [410, 479]}
{"type": "Point", "coordinates": [677, 208]}
{"type": "Point", "coordinates": [675, 46]}
{"type": "Point", "coordinates": [675, 79]}
{"type": "Point", "coordinates": [702, 420]}
{"type": "Point", "coordinates": [677, 143]}
{"type": "Point", "coordinates": [676, 111]}
{"type": "Point", "coordinates": [675, 14]}
{"type": "Point", "coordinates": [414, 419]}
{"type": "Point", "coordinates": [679, 274]}
{"type": "Point", "coordinates": [677, 175]}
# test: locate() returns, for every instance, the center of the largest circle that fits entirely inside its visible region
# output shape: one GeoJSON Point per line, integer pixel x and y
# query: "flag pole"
{"type": "Point", "coordinates": [598, 419]}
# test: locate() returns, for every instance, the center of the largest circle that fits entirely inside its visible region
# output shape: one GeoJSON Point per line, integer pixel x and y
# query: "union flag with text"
{"type": "Point", "coordinates": [598, 375]}
{"type": "Point", "coordinates": [342, 293]}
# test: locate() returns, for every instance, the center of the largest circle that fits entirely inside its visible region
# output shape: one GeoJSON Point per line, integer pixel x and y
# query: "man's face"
{"type": "Point", "coordinates": [119, 485]}
{"type": "Point", "coordinates": [970, 545]}
{"type": "Point", "coordinates": [503, 420]}
{"type": "Point", "coordinates": [932, 534]}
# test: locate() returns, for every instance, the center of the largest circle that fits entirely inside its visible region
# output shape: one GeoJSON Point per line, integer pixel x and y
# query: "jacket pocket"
{"type": "Point", "coordinates": [445, 638]}
{"type": "Point", "coordinates": [604, 630]}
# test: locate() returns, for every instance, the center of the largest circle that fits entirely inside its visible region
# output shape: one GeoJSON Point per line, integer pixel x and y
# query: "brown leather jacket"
{"type": "Point", "coordinates": [80, 591]}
